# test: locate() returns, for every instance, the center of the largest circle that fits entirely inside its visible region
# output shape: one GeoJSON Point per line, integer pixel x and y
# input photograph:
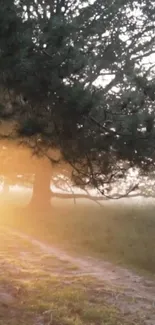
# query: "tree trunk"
{"type": "Point", "coordinates": [41, 190]}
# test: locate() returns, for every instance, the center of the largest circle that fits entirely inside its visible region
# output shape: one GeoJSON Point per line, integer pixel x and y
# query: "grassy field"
{"type": "Point", "coordinates": [45, 291]}
{"type": "Point", "coordinates": [123, 234]}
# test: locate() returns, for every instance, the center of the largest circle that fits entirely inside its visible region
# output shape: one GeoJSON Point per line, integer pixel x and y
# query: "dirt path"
{"type": "Point", "coordinates": [128, 291]}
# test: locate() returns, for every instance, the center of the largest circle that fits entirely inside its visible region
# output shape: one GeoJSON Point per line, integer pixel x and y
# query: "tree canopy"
{"type": "Point", "coordinates": [78, 76]}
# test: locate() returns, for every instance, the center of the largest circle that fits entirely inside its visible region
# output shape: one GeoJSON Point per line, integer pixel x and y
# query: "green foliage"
{"type": "Point", "coordinates": [54, 53]}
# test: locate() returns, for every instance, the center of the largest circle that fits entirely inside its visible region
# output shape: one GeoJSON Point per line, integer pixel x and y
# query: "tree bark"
{"type": "Point", "coordinates": [41, 190]}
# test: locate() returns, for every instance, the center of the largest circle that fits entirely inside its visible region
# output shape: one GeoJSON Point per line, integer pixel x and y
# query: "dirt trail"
{"type": "Point", "coordinates": [130, 292]}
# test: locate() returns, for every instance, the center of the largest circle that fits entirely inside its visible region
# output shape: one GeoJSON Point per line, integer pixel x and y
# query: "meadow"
{"type": "Point", "coordinates": [122, 233]}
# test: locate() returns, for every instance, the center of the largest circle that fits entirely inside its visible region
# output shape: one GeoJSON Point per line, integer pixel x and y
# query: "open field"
{"type": "Point", "coordinates": [39, 289]}
{"type": "Point", "coordinates": [120, 233]}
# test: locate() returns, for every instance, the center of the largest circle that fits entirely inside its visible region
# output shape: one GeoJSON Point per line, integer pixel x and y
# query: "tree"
{"type": "Point", "coordinates": [26, 171]}
{"type": "Point", "coordinates": [53, 54]}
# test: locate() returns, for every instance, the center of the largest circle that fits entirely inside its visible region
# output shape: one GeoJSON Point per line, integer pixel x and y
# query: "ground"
{"type": "Point", "coordinates": [42, 285]}
{"type": "Point", "coordinates": [123, 234]}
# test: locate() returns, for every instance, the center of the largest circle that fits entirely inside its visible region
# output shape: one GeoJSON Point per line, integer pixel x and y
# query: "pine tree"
{"type": "Point", "coordinates": [72, 76]}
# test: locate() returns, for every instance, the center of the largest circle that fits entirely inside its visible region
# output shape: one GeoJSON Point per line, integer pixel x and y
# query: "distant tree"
{"type": "Point", "coordinates": [74, 75]}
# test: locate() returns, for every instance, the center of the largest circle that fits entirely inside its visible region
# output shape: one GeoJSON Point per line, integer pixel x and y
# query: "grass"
{"type": "Point", "coordinates": [120, 233]}
{"type": "Point", "coordinates": [43, 298]}
{"type": "Point", "coordinates": [51, 301]}
{"type": "Point", "coordinates": [71, 304]}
